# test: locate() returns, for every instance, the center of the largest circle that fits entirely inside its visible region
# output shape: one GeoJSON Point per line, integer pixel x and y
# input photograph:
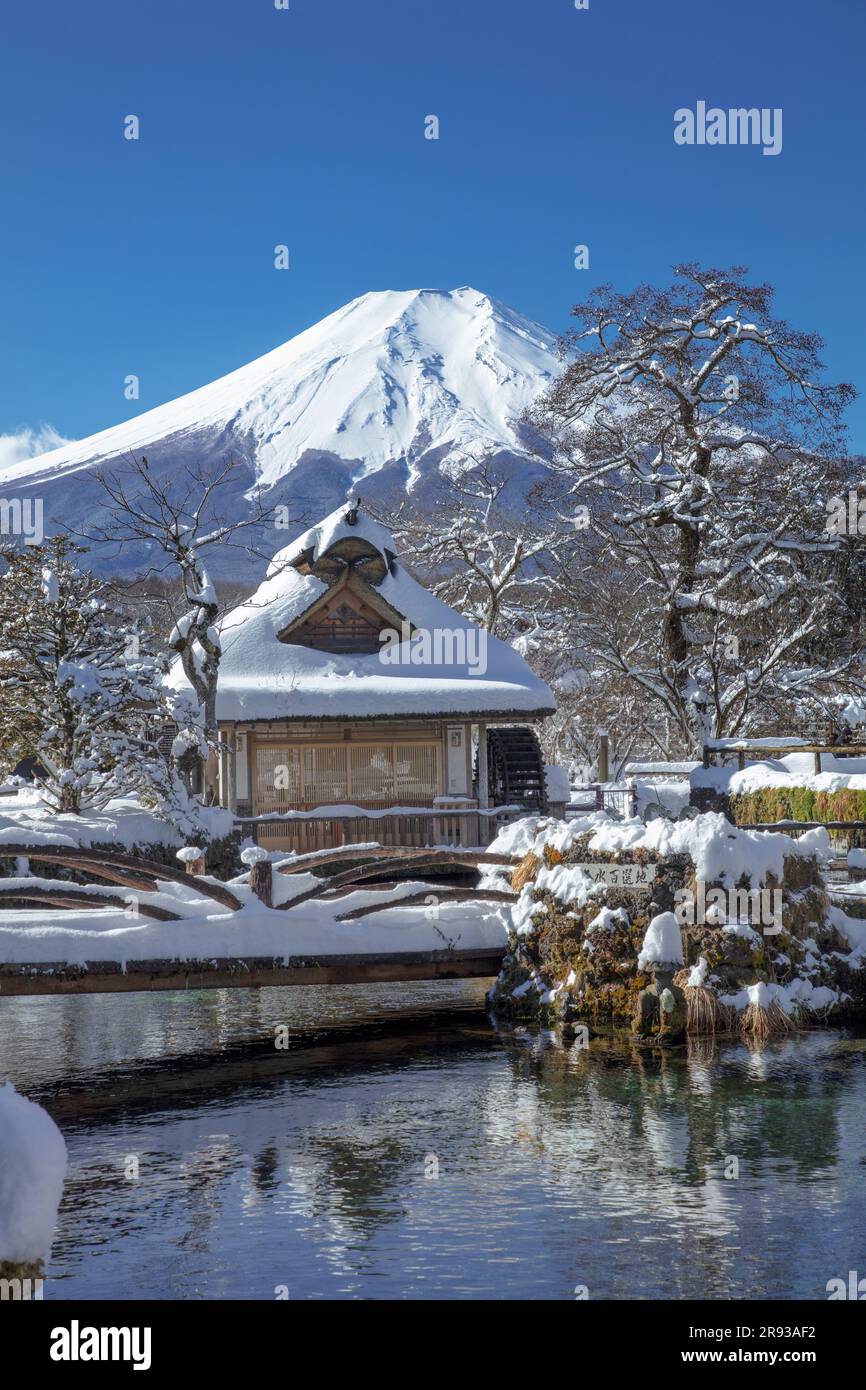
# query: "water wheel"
{"type": "Point", "coordinates": [516, 768]}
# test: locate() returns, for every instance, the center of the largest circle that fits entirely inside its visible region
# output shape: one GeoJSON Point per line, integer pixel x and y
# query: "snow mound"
{"type": "Point", "coordinates": [698, 974]}
{"type": "Point", "coordinates": [720, 851]}
{"type": "Point", "coordinates": [32, 1170]}
{"type": "Point", "coordinates": [663, 942]}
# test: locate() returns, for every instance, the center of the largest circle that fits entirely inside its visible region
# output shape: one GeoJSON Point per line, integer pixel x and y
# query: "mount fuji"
{"type": "Point", "coordinates": [392, 393]}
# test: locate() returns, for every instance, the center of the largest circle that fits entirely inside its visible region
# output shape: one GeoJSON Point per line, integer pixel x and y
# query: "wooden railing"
{"type": "Point", "coordinates": [760, 752]}
{"type": "Point", "coordinates": [123, 870]}
{"type": "Point", "coordinates": [307, 831]}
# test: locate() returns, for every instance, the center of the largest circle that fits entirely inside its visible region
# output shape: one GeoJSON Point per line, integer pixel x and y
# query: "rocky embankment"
{"type": "Point", "coordinates": [673, 926]}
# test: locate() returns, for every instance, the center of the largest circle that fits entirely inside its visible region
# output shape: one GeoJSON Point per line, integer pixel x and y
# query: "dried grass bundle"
{"type": "Point", "coordinates": [525, 872]}
{"type": "Point", "coordinates": [705, 1012]}
{"type": "Point", "coordinates": [761, 1022]}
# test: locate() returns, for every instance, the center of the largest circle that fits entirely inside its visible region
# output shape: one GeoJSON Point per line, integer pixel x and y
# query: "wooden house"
{"type": "Point", "coordinates": [354, 706]}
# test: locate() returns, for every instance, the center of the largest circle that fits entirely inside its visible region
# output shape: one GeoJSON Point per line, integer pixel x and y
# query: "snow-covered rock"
{"type": "Point", "coordinates": [32, 1171]}
{"type": "Point", "coordinates": [720, 851]}
{"type": "Point", "coordinates": [663, 942]}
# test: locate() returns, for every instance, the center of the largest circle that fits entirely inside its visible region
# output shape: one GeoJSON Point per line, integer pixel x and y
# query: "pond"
{"type": "Point", "coordinates": [402, 1146]}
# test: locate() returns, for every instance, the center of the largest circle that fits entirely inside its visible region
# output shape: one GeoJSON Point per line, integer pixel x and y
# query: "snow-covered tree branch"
{"type": "Point", "coordinates": [180, 521]}
{"type": "Point", "coordinates": [79, 689]}
{"type": "Point", "coordinates": [696, 429]}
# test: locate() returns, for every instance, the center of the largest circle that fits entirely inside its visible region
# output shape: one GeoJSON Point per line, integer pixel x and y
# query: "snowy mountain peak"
{"type": "Point", "coordinates": [389, 387]}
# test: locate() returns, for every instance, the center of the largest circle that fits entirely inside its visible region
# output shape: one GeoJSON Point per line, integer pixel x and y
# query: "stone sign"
{"type": "Point", "coordinates": [620, 875]}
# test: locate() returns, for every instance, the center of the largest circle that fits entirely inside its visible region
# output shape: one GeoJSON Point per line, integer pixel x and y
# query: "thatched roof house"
{"type": "Point", "coordinates": [345, 684]}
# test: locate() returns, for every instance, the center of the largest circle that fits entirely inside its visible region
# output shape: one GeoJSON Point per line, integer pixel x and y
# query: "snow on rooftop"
{"type": "Point", "coordinates": [264, 678]}
{"type": "Point", "coordinates": [336, 527]}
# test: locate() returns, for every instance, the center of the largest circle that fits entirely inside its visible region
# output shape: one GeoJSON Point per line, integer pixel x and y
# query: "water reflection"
{"type": "Point", "coordinates": [556, 1166]}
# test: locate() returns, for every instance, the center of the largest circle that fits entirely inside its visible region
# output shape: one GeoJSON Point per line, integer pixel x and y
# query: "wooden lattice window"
{"type": "Point", "coordinates": [278, 777]}
{"type": "Point", "coordinates": [320, 774]}
{"type": "Point", "coordinates": [326, 774]}
{"type": "Point", "coordinates": [372, 772]}
{"type": "Point", "coordinates": [416, 771]}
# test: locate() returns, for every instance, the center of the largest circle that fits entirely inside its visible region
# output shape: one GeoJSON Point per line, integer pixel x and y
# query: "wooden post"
{"type": "Point", "coordinates": [485, 823]}
{"type": "Point", "coordinates": [231, 770]}
{"type": "Point", "coordinates": [483, 771]}
{"type": "Point", "coordinates": [193, 859]}
{"type": "Point", "coordinates": [262, 881]}
{"type": "Point", "coordinates": [603, 756]}
{"type": "Point", "coordinates": [817, 764]}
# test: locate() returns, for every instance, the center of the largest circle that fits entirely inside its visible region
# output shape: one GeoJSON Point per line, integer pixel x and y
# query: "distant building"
{"type": "Point", "coordinates": [344, 684]}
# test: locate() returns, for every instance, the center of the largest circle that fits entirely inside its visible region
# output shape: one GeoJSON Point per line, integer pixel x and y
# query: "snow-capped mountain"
{"type": "Point", "coordinates": [386, 393]}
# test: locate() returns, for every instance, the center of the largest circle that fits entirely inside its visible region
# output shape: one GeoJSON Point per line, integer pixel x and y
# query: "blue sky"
{"type": "Point", "coordinates": [306, 127]}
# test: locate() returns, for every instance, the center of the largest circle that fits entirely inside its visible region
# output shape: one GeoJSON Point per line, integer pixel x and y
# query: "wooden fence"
{"type": "Point", "coordinates": [303, 832]}
{"type": "Point", "coordinates": [757, 752]}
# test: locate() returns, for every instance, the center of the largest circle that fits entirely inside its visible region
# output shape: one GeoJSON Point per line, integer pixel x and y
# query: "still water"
{"type": "Point", "coordinates": [405, 1147]}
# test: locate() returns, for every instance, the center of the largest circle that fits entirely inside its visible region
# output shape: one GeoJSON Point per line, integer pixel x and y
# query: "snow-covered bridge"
{"type": "Point", "coordinates": [278, 924]}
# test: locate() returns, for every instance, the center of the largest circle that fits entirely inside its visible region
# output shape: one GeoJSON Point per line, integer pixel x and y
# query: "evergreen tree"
{"type": "Point", "coordinates": [80, 691]}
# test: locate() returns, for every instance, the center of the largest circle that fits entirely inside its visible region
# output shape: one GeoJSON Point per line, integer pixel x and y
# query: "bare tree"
{"type": "Point", "coordinates": [496, 565]}
{"type": "Point", "coordinates": [180, 519]}
{"type": "Point", "coordinates": [79, 690]}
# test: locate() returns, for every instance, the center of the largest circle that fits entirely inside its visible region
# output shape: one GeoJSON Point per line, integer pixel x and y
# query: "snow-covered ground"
{"type": "Point", "coordinates": [671, 793]}
{"type": "Point", "coordinates": [123, 823]}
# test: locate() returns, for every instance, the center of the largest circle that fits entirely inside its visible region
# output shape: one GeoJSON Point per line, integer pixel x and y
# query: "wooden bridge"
{"type": "Point", "coordinates": [367, 866]}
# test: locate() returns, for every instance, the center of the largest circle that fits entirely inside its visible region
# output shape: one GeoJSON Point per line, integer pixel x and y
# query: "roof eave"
{"type": "Point", "coordinates": [483, 715]}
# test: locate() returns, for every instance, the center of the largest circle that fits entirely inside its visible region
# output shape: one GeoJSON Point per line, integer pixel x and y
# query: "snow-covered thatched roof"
{"type": "Point", "coordinates": [347, 523]}
{"type": "Point", "coordinates": [265, 678]}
